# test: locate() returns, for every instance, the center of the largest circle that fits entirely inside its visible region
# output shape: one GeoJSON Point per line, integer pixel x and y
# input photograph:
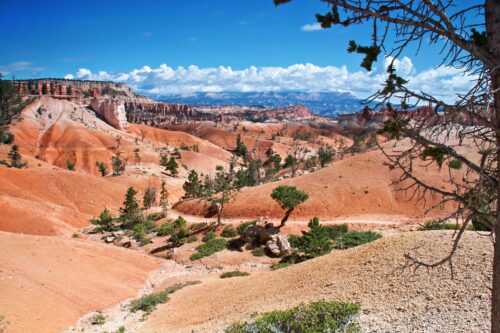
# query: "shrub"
{"type": "Point", "coordinates": [334, 231]}
{"type": "Point", "coordinates": [121, 329]}
{"type": "Point", "coordinates": [75, 235]}
{"type": "Point", "coordinates": [98, 319]}
{"type": "Point", "coordinates": [165, 229]}
{"type": "Point", "coordinates": [259, 251]}
{"type": "Point", "coordinates": [6, 137]}
{"type": "Point", "coordinates": [209, 236]}
{"type": "Point", "coordinates": [229, 232]}
{"type": "Point", "coordinates": [280, 265]}
{"type": "Point", "coordinates": [320, 316]}
{"type": "Point", "coordinates": [70, 165]}
{"type": "Point", "coordinates": [196, 226]}
{"type": "Point", "coordinates": [210, 247]}
{"type": "Point", "coordinates": [316, 242]}
{"type": "Point", "coordinates": [242, 227]}
{"type": "Point", "coordinates": [192, 239]}
{"type": "Point", "coordinates": [149, 302]}
{"type": "Point", "coordinates": [168, 228]}
{"type": "Point", "coordinates": [355, 238]}
{"type": "Point", "coordinates": [156, 216]}
{"type": "Point", "coordinates": [180, 235]}
{"type": "Point", "coordinates": [141, 233]}
{"type": "Point", "coordinates": [439, 225]}
{"type": "Point", "coordinates": [226, 275]}
{"type": "Point", "coordinates": [104, 222]}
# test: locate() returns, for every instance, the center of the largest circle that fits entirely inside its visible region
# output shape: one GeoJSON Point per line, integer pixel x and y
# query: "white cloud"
{"type": "Point", "coordinates": [443, 82]}
{"type": "Point", "coordinates": [311, 27]}
{"type": "Point", "coordinates": [19, 66]}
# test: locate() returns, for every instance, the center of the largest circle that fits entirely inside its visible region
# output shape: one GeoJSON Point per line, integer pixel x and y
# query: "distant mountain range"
{"type": "Point", "coordinates": [327, 104]}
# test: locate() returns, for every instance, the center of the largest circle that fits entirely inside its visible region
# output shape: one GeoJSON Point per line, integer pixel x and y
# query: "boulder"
{"type": "Point", "coordinates": [109, 239]}
{"type": "Point", "coordinates": [279, 245]}
{"type": "Point", "coordinates": [124, 242]}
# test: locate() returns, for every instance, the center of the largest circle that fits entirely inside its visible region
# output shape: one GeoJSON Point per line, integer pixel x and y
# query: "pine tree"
{"type": "Point", "coordinates": [118, 164]}
{"type": "Point", "coordinates": [193, 185]}
{"type": "Point", "coordinates": [105, 221]}
{"type": "Point", "coordinates": [163, 160]}
{"type": "Point", "coordinates": [163, 195]}
{"type": "Point", "coordinates": [103, 169]}
{"type": "Point", "coordinates": [241, 149]}
{"type": "Point", "coordinates": [70, 165]}
{"type": "Point", "coordinates": [172, 166]}
{"type": "Point", "coordinates": [131, 213]}
{"type": "Point", "coordinates": [149, 198]}
{"type": "Point", "coordinates": [325, 155]}
{"type": "Point", "coordinates": [316, 242]}
{"type": "Point", "coordinates": [15, 158]}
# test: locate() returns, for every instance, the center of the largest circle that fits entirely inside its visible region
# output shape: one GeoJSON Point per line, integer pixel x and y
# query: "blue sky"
{"type": "Point", "coordinates": [57, 38]}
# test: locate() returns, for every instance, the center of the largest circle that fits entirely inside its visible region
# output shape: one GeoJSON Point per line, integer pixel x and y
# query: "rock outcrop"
{"type": "Point", "coordinates": [112, 110]}
{"type": "Point", "coordinates": [116, 102]}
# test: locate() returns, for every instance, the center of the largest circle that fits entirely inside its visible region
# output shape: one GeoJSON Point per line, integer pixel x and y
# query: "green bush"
{"type": "Point", "coordinates": [316, 242]}
{"type": "Point", "coordinates": [280, 265]}
{"type": "Point", "coordinates": [242, 227]}
{"type": "Point", "coordinates": [209, 236]}
{"type": "Point", "coordinates": [141, 233]}
{"type": "Point", "coordinates": [209, 248]}
{"type": "Point", "coordinates": [355, 238]}
{"type": "Point", "coordinates": [165, 229]}
{"type": "Point", "coordinates": [259, 251]}
{"type": "Point", "coordinates": [149, 302]}
{"type": "Point", "coordinates": [226, 275]}
{"type": "Point", "coordinates": [168, 228]}
{"type": "Point", "coordinates": [334, 231]}
{"type": "Point", "coordinates": [316, 317]}
{"type": "Point", "coordinates": [98, 319]}
{"type": "Point", "coordinates": [229, 232]}
{"type": "Point", "coordinates": [156, 216]}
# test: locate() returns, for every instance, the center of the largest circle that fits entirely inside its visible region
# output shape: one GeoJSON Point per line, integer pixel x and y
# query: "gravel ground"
{"type": "Point", "coordinates": [392, 299]}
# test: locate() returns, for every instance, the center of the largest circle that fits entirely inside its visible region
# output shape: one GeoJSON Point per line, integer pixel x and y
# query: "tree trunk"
{"type": "Point", "coordinates": [492, 14]}
{"type": "Point", "coordinates": [285, 218]}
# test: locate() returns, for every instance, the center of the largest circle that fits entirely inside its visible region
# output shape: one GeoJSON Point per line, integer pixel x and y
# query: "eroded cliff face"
{"type": "Point", "coordinates": [112, 110]}
{"type": "Point", "coordinates": [118, 104]}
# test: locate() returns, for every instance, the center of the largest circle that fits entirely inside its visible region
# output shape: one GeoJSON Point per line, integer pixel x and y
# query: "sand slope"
{"type": "Point", "coordinates": [47, 283]}
{"type": "Point", "coordinates": [361, 184]}
{"type": "Point", "coordinates": [392, 301]}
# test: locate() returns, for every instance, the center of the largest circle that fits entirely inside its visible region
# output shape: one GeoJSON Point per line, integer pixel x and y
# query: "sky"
{"type": "Point", "coordinates": [172, 46]}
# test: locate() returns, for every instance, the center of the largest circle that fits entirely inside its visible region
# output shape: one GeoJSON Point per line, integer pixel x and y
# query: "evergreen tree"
{"type": "Point", "coordinates": [70, 165]}
{"type": "Point", "coordinates": [15, 157]}
{"type": "Point", "coordinates": [103, 169]}
{"type": "Point", "coordinates": [193, 185]}
{"type": "Point", "coordinates": [130, 212]}
{"type": "Point", "coordinates": [325, 155]}
{"type": "Point", "coordinates": [163, 160]}
{"type": "Point", "coordinates": [105, 221]}
{"type": "Point", "coordinates": [118, 164]}
{"type": "Point", "coordinates": [163, 195]}
{"type": "Point", "coordinates": [172, 166]}
{"type": "Point", "coordinates": [149, 198]}
{"type": "Point", "coordinates": [315, 242]}
{"type": "Point", "coordinates": [241, 149]}
{"type": "Point", "coordinates": [288, 198]}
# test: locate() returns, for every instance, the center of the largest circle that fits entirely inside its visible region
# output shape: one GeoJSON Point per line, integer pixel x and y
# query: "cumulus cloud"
{"type": "Point", "coordinates": [311, 27]}
{"type": "Point", "coordinates": [443, 82]}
